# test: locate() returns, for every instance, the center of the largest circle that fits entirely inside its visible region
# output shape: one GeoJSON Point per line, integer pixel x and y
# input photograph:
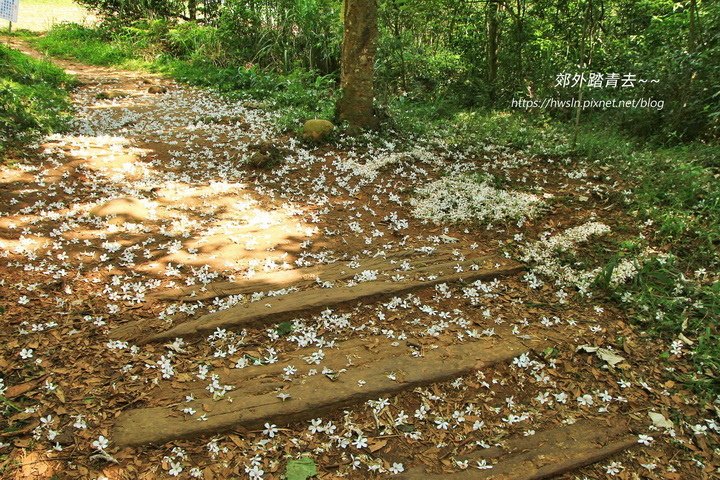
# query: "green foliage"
{"type": "Point", "coordinates": [284, 328]}
{"type": "Point", "coordinates": [33, 98]}
{"type": "Point", "coordinates": [283, 35]}
{"type": "Point", "coordinates": [300, 469]}
{"type": "Point", "coordinates": [430, 57]}
{"type": "Point", "coordinates": [92, 46]}
{"type": "Point", "coordinates": [666, 301]}
{"type": "Point", "coordinates": [197, 43]}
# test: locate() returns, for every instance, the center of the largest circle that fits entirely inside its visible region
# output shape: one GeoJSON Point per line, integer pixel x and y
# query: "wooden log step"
{"type": "Point", "coordinates": [546, 454]}
{"type": "Point", "coordinates": [274, 309]}
{"type": "Point", "coordinates": [386, 266]}
{"type": "Point", "coordinates": [361, 369]}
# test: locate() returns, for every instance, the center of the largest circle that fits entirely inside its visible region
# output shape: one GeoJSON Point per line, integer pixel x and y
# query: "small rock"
{"type": "Point", "coordinates": [660, 421]}
{"type": "Point", "coordinates": [111, 94]}
{"type": "Point", "coordinates": [157, 89]}
{"type": "Point", "coordinates": [317, 129]}
{"type": "Point", "coordinates": [266, 155]}
{"type": "Point", "coordinates": [253, 105]}
{"type": "Point", "coordinates": [128, 207]}
{"type": "Point", "coordinates": [260, 160]}
{"type": "Point", "coordinates": [447, 239]}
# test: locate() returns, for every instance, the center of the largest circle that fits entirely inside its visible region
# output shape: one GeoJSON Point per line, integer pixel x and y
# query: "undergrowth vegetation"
{"type": "Point", "coordinates": [33, 99]}
{"type": "Point", "coordinates": [666, 277]}
{"type": "Point", "coordinates": [475, 54]}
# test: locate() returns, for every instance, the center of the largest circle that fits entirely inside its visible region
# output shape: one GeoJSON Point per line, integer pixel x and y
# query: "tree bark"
{"type": "Point", "coordinates": [192, 10]}
{"type": "Point", "coordinates": [692, 36]}
{"type": "Point", "coordinates": [400, 46]}
{"type": "Point", "coordinates": [358, 58]}
{"type": "Point", "coordinates": [492, 48]}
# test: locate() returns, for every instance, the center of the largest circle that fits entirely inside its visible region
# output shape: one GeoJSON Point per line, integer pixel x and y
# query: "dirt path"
{"type": "Point", "coordinates": [146, 213]}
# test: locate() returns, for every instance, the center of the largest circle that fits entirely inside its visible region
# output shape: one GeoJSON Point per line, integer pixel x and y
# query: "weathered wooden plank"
{"type": "Point", "coordinates": [362, 371]}
{"type": "Point", "coordinates": [546, 454]}
{"type": "Point", "coordinates": [274, 309]}
{"type": "Point", "coordinates": [301, 277]}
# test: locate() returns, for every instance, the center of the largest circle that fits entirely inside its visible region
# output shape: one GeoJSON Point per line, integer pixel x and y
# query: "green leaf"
{"type": "Point", "coordinates": [10, 404]}
{"type": "Point", "coordinates": [550, 352]}
{"type": "Point", "coordinates": [285, 328]}
{"type": "Point", "coordinates": [301, 469]}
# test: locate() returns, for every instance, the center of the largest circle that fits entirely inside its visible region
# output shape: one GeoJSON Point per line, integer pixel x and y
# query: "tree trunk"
{"type": "Point", "coordinates": [587, 35]}
{"type": "Point", "coordinates": [400, 46]}
{"type": "Point", "coordinates": [692, 36]}
{"type": "Point", "coordinates": [192, 10]}
{"type": "Point", "coordinates": [492, 48]}
{"type": "Point", "coordinates": [358, 57]}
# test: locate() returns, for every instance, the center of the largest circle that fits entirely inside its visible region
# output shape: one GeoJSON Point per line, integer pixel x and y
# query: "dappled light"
{"type": "Point", "coordinates": [120, 201]}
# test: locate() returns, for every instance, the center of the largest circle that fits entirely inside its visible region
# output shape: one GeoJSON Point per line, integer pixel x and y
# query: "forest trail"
{"type": "Point", "coordinates": [211, 318]}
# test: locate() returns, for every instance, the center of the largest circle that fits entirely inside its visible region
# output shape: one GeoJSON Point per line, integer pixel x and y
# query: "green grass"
{"type": "Point", "coordinates": [88, 45]}
{"type": "Point", "coordinates": [33, 99]}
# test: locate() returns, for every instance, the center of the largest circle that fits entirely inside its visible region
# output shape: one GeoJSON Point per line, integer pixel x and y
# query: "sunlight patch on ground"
{"type": "Point", "coordinates": [36, 465]}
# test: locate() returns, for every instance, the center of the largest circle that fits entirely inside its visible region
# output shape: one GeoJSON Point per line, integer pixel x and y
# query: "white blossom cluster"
{"type": "Point", "coordinates": [463, 199]}
{"type": "Point", "coordinates": [544, 256]}
{"type": "Point", "coordinates": [625, 270]}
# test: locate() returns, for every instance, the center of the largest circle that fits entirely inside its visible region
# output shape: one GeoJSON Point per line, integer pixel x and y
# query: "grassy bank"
{"type": "Point", "coordinates": [33, 99]}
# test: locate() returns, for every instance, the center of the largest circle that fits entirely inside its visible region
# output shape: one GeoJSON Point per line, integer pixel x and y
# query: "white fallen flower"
{"type": "Point", "coordinates": [462, 198]}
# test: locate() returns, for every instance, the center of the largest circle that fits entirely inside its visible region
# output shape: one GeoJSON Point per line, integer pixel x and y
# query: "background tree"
{"type": "Point", "coordinates": [356, 104]}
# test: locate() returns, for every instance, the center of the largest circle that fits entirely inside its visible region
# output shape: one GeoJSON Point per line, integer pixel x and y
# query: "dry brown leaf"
{"type": "Point", "coordinates": [22, 388]}
{"type": "Point", "coordinates": [60, 395]}
{"type": "Point", "coordinates": [376, 445]}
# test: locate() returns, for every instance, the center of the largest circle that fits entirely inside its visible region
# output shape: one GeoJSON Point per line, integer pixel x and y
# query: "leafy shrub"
{"type": "Point", "coordinates": [198, 43]}
{"type": "Point", "coordinates": [94, 46]}
{"type": "Point", "coordinates": [33, 98]}
{"type": "Point", "coordinates": [282, 35]}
